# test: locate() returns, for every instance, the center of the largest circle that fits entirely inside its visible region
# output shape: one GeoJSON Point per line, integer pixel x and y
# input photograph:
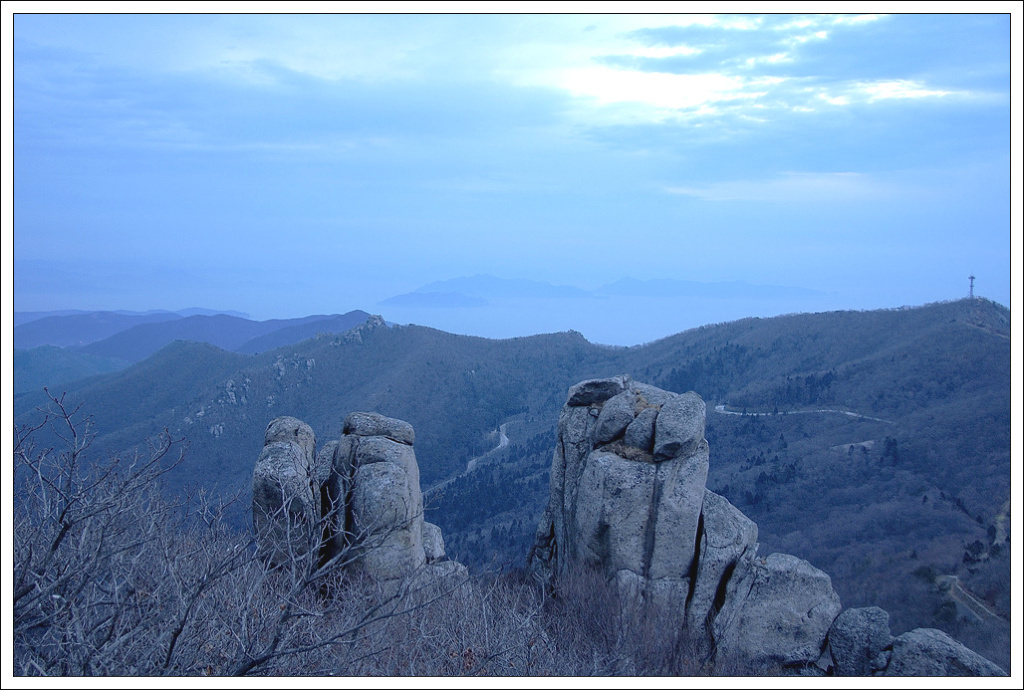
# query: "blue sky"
{"type": "Point", "coordinates": [288, 165]}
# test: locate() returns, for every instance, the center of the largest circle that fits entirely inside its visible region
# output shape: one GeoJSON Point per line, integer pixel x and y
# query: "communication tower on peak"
{"type": "Point", "coordinates": [971, 293]}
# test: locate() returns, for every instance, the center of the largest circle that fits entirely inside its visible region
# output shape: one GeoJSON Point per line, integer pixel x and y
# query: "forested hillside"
{"type": "Point", "coordinates": [874, 444]}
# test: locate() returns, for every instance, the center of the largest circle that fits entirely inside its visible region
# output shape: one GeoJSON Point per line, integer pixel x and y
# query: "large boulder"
{"type": "Point", "coordinates": [285, 494]}
{"type": "Point", "coordinates": [679, 428]}
{"type": "Point", "coordinates": [596, 391]}
{"type": "Point", "coordinates": [373, 424]}
{"type": "Point", "coordinates": [384, 512]}
{"type": "Point", "coordinates": [857, 639]}
{"type": "Point", "coordinates": [930, 652]}
{"type": "Point", "coordinates": [778, 614]}
{"type": "Point", "coordinates": [728, 547]}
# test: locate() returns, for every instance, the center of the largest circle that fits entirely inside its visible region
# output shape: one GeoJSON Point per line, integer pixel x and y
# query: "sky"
{"type": "Point", "coordinates": [286, 165]}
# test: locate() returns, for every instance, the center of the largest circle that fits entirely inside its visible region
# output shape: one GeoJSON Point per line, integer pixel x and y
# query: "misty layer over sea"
{"type": "Point", "coordinates": [600, 319]}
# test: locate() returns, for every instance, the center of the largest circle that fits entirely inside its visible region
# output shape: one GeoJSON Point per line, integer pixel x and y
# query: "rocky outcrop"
{"type": "Point", "coordinates": [861, 645]}
{"type": "Point", "coordinates": [358, 500]}
{"type": "Point", "coordinates": [857, 639]}
{"type": "Point", "coordinates": [628, 498]}
{"type": "Point", "coordinates": [285, 493]}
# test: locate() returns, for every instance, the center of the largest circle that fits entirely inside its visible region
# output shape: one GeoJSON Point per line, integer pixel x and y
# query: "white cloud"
{"type": "Point", "coordinates": [899, 88]}
{"type": "Point", "coordinates": [791, 187]}
{"type": "Point", "coordinates": [769, 59]}
{"type": "Point", "coordinates": [658, 89]}
{"type": "Point", "coordinates": [857, 18]}
{"type": "Point", "coordinates": [660, 52]}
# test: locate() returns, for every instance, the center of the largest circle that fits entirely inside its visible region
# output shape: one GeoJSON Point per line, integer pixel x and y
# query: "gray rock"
{"type": "Point", "coordinates": [677, 500]}
{"type": "Point", "coordinates": [384, 503]}
{"type": "Point", "coordinates": [391, 556]}
{"type": "Point", "coordinates": [596, 391]}
{"type": "Point", "coordinates": [666, 542]}
{"type": "Point", "coordinates": [321, 471]}
{"type": "Point", "coordinates": [285, 495]}
{"type": "Point", "coordinates": [374, 449]}
{"type": "Point", "coordinates": [727, 549]}
{"type": "Point", "coordinates": [778, 614]}
{"type": "Point", "coordinates": [294, 431]}
{"type": "Point", "coordinates": [383, 500]}
{"type": "Point", "coordinates": [679, 427]}
{"type": "Point", "coordinates": [433, 543]}
{"type": "Point", "coordinates": [640, 432]}
{"type": "Point", "coordinates": [612, 510]}
{"type": "Point", "coordinates": [615, 416]}
{"type": "Point", "coordinates": [648, 395]}
{"type": "Point", "coordinates": [856, 639]}
{"type": "Point", "coordinates": [670, 545]}
{"type": "Point", "coordinates": [930, 652]}
{"type": "Point", "coordinates": [371, 514]}
{"type": "Point", "coordinates": [575, 427]}
{"type": "Point", "coordinates": [373, 424]}
{"type": "Point", "coordinates": [337, 488]}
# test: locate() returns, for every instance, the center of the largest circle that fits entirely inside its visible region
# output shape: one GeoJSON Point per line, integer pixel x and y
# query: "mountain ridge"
{"type": "Point", "coordinates": [937, 476]}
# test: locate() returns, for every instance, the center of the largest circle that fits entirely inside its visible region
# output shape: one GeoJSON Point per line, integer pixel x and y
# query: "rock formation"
{"type": "Point", "coordinates": [285, 494]}
{"type": "Point", "coordinates": [628, 498]}
{"type": "Point", "coordinates": [358, 499]}
{"type": "Point", "coordinates": [861, 645]}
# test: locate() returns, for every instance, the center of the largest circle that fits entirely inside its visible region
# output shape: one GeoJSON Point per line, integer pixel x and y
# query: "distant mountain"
{"type": "Point", "coordinates": [199, 311]}
{"type": "Point", "coordinates": [76, 330]}
{"type": "Point", "coordinates": [504, 288]}
{"type": "Point", "coordinates": [874, 444]}
{"type": "Point", "coordinates": [307, 328]}
{"type": "Point", "coordinates": [226, 332]}
{"type": "Point", "coordinates": [475, 291]}
{"type": "Point", "coordinates": [48, 365]}
{"type": "Point", "coordinates": [21, 317]}
{"type": "Point", "coordinates": [434, 300]}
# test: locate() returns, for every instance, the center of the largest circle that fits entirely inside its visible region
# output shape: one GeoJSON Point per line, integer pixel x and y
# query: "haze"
{"type": "Point", "coordinates": [286, 165]}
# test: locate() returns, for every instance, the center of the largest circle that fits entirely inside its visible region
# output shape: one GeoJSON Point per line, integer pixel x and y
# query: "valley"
{"type": "Point", "coordinates": [875, 444]}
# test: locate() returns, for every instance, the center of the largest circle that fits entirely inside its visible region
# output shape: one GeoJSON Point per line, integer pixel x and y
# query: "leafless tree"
{"type": "Point", "coordinates": [112, 578]}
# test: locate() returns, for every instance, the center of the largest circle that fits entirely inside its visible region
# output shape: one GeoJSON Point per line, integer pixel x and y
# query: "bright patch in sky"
{"type": "Point", "coordinates": [661, 90]}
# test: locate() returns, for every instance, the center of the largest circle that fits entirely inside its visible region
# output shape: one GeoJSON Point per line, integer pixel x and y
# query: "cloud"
{"type": "Point", "coordinates": [744, 71]}
{"type": "Point", "coordinates": [790, 187]}
{"type": "Point", "coordinates": [899, 88]}
{"type": "Point", "coordinates": [658, 89]}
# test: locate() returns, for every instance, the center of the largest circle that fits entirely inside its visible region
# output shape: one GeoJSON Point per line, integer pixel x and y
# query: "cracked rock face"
{"type": "Point", "coordinates": [628, 497]}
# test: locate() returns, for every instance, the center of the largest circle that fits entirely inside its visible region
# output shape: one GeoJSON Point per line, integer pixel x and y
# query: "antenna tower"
{"type": "Point", "coordinates": [971, 294]}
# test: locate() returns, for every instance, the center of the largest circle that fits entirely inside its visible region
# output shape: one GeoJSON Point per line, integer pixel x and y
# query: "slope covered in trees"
{"type": "Point", "coordinates": [874, 444]}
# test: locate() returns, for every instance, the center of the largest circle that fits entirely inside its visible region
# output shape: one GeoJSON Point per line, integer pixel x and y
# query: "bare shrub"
{"type": "Point", "coordinates": [113, 579]}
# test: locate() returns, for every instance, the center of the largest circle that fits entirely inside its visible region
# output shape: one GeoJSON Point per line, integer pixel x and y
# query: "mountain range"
{"type": "Point", "coordinates": [56, 348]}
{"type": "Point", "coordinates": [875, 444]}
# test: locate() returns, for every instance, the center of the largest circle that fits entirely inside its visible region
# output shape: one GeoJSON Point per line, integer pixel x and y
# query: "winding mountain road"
{"type": "Point", "coordinates": [720, 409]}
